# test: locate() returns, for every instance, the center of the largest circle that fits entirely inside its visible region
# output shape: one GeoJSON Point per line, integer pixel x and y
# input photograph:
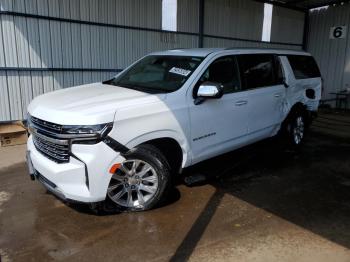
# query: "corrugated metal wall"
{"type": "Point", "coordinates": [187, 15]}
{"type": "Point", "coordinates": [332, 55]}
{"type": "Point", "coordinates": [217, 42]}
{"type": "Point", "coordinates": [69, 42]}
{"type": "Point", "coordinates": [240, 19]}
{"type": "Point", "coordinates": [287, 25]}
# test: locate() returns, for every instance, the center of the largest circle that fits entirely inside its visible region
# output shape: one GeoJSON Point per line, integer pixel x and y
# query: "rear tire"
{"type": "Point", "coordinates": [142, 181]}
{"type": "Point", "coordinates": [295, 129]}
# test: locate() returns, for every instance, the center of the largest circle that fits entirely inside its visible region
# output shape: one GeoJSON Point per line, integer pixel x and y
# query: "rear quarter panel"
{"type": "Point", "coordinates": [296, 92]}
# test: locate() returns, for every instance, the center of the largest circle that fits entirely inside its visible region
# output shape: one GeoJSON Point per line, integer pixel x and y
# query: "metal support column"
{"type": "Point", "coordinates": [306, 30]}
{"type": "Point", "coordinates": [200, 23]}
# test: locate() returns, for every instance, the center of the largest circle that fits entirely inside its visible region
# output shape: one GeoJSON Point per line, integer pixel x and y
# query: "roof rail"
{"type": "Point", "coordinates": [263, 48]}
{"type": "Point", "coordinates": [180, 48]}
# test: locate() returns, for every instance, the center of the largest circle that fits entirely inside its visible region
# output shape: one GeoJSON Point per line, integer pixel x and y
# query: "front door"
{"type": "Point", "coordinates": [219, 125]}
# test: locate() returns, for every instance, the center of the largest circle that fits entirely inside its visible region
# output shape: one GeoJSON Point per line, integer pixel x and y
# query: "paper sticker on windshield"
{"type": "Point", "coordinates": [180, 71]}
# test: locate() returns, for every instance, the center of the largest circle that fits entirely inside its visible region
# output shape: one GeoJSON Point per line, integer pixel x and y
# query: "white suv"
{"type": "Point", "coordinates": [124, 140]}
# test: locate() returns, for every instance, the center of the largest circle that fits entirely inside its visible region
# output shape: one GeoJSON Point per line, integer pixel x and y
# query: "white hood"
{"type": "Point", "coordinates": [87, 104]}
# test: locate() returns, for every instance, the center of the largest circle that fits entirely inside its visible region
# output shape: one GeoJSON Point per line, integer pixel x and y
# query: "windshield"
{"type": "Point", "coordinates": [158, 74]}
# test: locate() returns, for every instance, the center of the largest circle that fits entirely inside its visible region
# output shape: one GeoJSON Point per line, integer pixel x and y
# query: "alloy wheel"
{"type": "Point", "coordinates": [298, 130]}
{"type": "Point", "coordinates": [134, 184]}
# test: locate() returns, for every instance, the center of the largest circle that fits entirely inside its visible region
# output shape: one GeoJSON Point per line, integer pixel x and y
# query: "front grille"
{"type": "Point", "coordinates": [46, 143]}
{"type": "Point", "coordinates": [45, 125]}
{"type": "Point", "coordinates": [56, 152]}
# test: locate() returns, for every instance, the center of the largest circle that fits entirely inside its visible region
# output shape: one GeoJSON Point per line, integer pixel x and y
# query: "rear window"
{"type": "Point", "coordinates": [258, 70]}
{"type": "Point", "coordinates": [304, 66]}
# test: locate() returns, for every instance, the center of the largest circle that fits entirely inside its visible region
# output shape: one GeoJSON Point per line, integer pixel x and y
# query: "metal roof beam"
{"type": "Point", "coordinates": [330, 2]}
{"type": "Point", "coordinates": [295, 2]}
{"type": "Point", "coordinates": [281, 4]}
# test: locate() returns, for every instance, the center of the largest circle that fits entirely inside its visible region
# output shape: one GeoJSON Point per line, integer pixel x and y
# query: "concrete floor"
{"type": "Point", "coordinates": [261, 203]}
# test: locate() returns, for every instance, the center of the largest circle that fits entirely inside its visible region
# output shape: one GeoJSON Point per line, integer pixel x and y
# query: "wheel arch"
{"type": "Point", "coordinates": [173, 148]}
{"type": "Point", "coordinates": [297, 107]}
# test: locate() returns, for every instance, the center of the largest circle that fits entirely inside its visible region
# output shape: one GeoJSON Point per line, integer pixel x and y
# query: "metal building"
{"type": "Point", "coordinates": [331, 52]}
{"type": "Point", "coordinates": [46, 45]}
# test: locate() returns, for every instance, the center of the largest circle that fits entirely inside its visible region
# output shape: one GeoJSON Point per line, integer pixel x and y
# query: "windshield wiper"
{"type": "Point", "coordinates": [109, 82]}
{"type": "Point", "coordinates": [154, 89]}
{"type": "Point", "coordinates": [145, 89]}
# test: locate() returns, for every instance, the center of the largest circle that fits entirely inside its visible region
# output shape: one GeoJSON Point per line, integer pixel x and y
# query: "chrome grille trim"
{"type": "Point", "coordinates": [57, 153]}
{"type": "Point", "coordinates": [41, 124]}
{"type": "Point", "coordinates": [57, 150]}
{"type": "Point", "coordinates": [49, 139]}
{"type": "Point", "coordinates": [51, 147]}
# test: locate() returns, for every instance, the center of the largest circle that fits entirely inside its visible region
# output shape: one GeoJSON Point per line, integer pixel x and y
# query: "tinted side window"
{"type": "Point", "coordinates": [257, 70]}
{"type": "Point", "coordinates": [224, 71]}
{"type": "Point", "coordinates": [304, 66]}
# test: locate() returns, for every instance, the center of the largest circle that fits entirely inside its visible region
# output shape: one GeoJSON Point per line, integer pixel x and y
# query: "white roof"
{"type": "Point", "coordinates": [203, 52]}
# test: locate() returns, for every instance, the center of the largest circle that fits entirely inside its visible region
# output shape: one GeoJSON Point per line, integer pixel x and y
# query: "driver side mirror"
{"type": "Point", "coordinates": [209, 90]}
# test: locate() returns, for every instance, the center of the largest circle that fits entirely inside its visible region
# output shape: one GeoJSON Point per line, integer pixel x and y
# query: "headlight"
{"type": "Point", "coordinates": [87, 134]}
{"type": "Point", "coordinates": [100, 130]}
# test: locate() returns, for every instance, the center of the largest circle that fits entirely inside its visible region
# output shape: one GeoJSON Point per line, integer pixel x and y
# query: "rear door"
{"type": "Point", "coordinates": [261, 77]}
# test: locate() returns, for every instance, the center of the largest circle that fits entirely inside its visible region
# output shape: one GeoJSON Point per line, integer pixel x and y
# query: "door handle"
{"type": "Point", "coordinates": [241, 103]}
{"type": "Point", "coordinates": [277, 95]}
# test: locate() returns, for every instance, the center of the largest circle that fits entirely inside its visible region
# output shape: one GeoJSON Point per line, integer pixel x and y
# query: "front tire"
{"type": "Point", "coordinates": [141, 182]}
